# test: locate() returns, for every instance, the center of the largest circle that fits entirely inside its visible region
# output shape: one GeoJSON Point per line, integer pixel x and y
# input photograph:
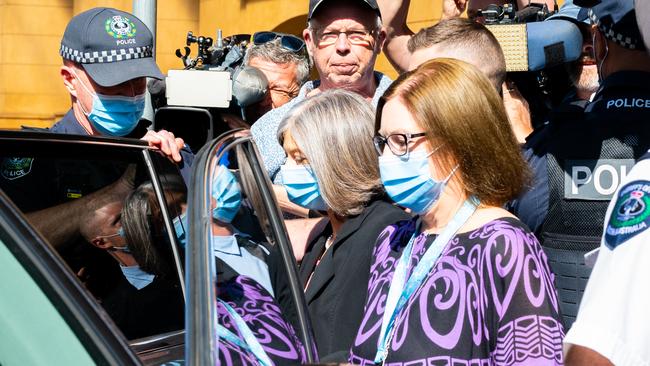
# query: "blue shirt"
{"type": "Point", "coordinates": [265, 130]}
{"type": "Point", "coordinates": [241, 260]}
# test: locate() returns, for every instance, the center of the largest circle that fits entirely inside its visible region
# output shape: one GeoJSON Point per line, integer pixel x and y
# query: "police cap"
{"type": "Point", "coordinates": [112, 46]}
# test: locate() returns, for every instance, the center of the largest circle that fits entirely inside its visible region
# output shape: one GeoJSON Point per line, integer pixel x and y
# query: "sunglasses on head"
{"type": "Point", "coordinates": [288, 41]}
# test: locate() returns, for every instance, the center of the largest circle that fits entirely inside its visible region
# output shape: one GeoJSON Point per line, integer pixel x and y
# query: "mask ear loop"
{"type": "Point", "coordinates": [86, 113]}
{"type": "Point", "coordinates": [600, 64]}
{"type": "Point", "coordinates": [450, 174]}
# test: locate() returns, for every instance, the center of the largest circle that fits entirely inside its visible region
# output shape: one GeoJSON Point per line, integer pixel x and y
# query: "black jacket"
{"type": "Point", "coordinates": [337, 291]}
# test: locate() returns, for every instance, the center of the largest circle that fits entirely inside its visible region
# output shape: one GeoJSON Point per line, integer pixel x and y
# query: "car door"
{"type": "Point", "coordinates": [209, 265]}
{"type": "Point", "coordinates": [42, 176]}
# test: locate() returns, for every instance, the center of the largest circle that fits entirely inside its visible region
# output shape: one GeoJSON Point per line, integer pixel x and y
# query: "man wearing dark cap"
{"type": "Point", "coordinates": [344, 39]}
{"type": "Point", "coordinates": [107, 56]}
{"type": "Point", "coordinates": [584, 159]}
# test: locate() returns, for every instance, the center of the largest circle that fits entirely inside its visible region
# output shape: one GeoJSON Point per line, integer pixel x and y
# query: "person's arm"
{"type": "Point", "coordinates": [62, 223]}
{"type": "Point", "coordinates": [517, 110]}
{"type": "Point", "coordinates": [579, 356]}
{"type": "Point", "coordinates": [394, 14]}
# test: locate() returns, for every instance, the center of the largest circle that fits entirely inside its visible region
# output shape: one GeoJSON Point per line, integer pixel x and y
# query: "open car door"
{"type": "Point", "coordinates": [226, 262]}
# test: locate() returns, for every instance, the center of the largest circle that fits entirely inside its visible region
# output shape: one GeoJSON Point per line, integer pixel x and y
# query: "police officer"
{"type": "Point", "coordinates": [581, 157]}
{"type": "Point", "coordinates": [107, 55]}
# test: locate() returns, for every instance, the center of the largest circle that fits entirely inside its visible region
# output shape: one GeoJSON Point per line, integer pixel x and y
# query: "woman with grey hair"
{"type": "Point", "coordinates": [332, 167]}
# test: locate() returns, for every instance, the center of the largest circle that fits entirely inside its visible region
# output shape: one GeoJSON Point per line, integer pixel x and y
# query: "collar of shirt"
{"type": "Point", "coordinates": [383, 82]}
{"type": "Point", "coordinates": [226, 244]}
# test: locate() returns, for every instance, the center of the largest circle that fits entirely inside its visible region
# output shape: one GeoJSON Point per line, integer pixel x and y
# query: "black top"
{"type": "Point", "coordinates": [338, 287]}
{"type": "Point", "coordinates": [155, 309]}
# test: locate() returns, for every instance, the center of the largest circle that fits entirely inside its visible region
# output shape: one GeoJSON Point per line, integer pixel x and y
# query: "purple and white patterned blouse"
{"type": "Point", "coordinates": [489, 300]}
{"type": "Point", "coordinates": [264, 317]}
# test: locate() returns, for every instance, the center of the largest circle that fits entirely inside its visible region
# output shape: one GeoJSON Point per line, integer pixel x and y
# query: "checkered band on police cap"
{"type": "Point", "coordinates": [120, 54]}
{"type": "Point", "coordinates": [610, 33]}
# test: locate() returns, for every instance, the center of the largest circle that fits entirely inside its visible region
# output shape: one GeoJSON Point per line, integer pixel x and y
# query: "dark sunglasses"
{"type": "Point", "coordinates": [288, 41]}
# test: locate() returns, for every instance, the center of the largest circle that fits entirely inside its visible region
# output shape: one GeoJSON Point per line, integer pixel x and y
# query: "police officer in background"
{"type": "Point", "coordinates": [580, 158]}
{"type": "Point", "coordinates": [612, 325]}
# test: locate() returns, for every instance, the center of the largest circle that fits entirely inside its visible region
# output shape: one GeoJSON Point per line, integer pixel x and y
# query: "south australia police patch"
{"type": "Point", "coordinates": [14, 168]}
{"type": "Point", "coordinates": [631, 213]}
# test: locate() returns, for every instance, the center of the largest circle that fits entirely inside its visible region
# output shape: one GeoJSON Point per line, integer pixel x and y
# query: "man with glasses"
{"type": "Point", "coordinates": [344, 39]}
{"type": "Point", "coordinates": [283, 59]}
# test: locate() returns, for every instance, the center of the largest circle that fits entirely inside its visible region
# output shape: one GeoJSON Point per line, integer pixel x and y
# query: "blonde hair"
{"type": "Point", "coordinates": [458, 105]}
{"type": "Point", "coordinates": [334, 131]}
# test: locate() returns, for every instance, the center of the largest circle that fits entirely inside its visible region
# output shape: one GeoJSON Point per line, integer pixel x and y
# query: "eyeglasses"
{"type": "Point", "coordinates": [287, 41]}
{"type": "Point", "coordinates": [355, 37]}
{"type": "Point", "coordinates": [398, 143]}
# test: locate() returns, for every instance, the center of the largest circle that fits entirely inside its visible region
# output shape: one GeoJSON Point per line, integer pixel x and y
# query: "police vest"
{"type": "Point", "coordinates": [588, 154]}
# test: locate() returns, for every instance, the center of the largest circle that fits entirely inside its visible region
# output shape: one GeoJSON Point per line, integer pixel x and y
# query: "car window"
{"type": "Point", "coordinates": [75, 195]}
{"type": "Point", "coordinates": [234, 221]}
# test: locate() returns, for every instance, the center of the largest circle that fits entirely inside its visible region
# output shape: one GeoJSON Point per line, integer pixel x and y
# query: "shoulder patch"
{"type": "Point", "coordinates": [631, 213]}
{"type": "Point", "coordinates": [14, 168]}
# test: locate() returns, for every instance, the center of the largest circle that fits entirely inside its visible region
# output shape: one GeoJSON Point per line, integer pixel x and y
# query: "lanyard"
{"type": "Point", "coordinates": [402, 287]}
{"type": "Point", "coordinates": [249, 343]}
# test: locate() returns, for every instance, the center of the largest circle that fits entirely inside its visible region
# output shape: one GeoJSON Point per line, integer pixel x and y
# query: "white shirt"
{"type": "Point", "coordinates": [614, 316]}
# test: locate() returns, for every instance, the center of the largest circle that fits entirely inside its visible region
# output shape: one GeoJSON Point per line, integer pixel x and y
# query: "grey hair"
{"type": "Point", "coordinates": [142, 223]}
{"type": "Point", "coordinates": [274, 52]}
{"type": "Point", "coordinates": [334, 131]}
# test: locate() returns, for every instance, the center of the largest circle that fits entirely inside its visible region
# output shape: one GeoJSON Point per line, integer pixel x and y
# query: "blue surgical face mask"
{"type": "Point", "coordinates": [114, 115]}
{"type": "Point", "coordinates": [302, 187]}
{"type": "Point", "coordinates": [226, 191]}
{"type": "Point", "coordinates": [408, 181]}
{"type": "Point", "coordinates": [137, 277]}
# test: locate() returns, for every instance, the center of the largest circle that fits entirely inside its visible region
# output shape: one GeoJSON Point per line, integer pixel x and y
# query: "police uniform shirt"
{"type": "Point", "coordinates": [614, 316]}
{"type": "Point", "coordinates": [70, 126]}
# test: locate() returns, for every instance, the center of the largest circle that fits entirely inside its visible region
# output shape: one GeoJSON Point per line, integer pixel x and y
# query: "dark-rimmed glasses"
{"type": "Point", "coordinates": [398, 143]}
{"type": "Point", "coordinates": [287, 41]}
{"type": "Point", "coordinates": [355, 37]}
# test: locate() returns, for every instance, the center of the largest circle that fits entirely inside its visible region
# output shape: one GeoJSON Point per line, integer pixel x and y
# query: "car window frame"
{"type": "Point", "coordinates": [201, 342]}
{"type": "Point", "coordinates": [40, 142]}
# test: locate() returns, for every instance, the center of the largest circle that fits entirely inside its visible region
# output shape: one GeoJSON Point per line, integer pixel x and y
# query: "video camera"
{"type": "Point", "coordinates": [193, 101]}
{"type": "Point", "coordinates": [507, 13]}
{"type": "Point", "coordinates": [535, 48]}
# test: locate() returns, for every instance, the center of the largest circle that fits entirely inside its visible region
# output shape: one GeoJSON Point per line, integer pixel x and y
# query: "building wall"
{"type": "Point", "coordinates": [31, 90]}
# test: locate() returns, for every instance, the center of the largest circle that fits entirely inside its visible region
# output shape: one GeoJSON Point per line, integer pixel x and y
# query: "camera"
{"type": "Point", "coordinates": [535, 51]}
{"type": "Point", "coordinates": [193, 101]}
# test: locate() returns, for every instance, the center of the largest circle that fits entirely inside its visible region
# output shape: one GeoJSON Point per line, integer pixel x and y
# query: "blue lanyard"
{"type": "Point", "coordinates": [401, 287]}
{"type": "Point", "coordinates": [249, 343]}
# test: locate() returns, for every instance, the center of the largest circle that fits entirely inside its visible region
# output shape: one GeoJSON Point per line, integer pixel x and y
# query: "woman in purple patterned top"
{"type": "Point", "coordinates": [483, 293]}
{"type": "Point", "coordinates": [263, 317]}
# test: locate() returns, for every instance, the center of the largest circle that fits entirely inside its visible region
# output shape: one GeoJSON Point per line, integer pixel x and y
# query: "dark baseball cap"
{"type": "Point", "coordinates": [113, 46]}
{"type": "Point", "coordinates": [616, 19]}
{"type": "Point", "coordinates": [314, 4]}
